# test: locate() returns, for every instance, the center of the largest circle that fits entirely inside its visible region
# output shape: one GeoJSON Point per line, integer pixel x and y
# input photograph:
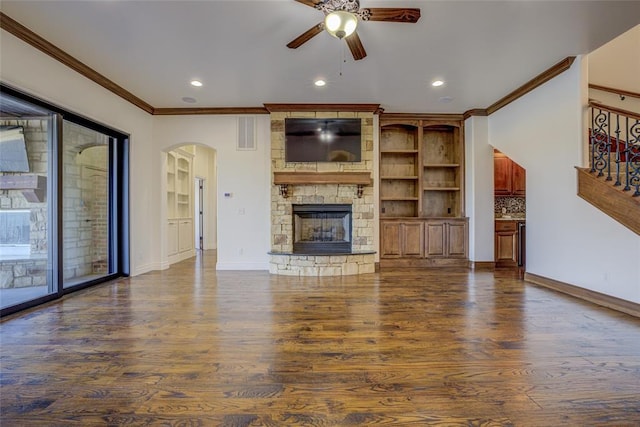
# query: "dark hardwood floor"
{"type": "Point", "coordinates": [190, 346]}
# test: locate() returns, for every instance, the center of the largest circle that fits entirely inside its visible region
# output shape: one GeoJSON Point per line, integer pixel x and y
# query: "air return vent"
{"type": "Point", "coordinates": [246, 133]}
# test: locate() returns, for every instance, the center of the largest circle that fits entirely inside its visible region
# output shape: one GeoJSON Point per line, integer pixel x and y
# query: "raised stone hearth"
{"type": "Point", "coordinates": [360, 258]}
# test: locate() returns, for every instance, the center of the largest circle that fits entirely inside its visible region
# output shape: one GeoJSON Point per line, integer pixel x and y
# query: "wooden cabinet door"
{"type": "Point", "coordinates": [172, 237]}
{"type": "Point", "coordinates": [456, 239]}
{"type": "Point", "coordinates": [435, 236]}
{"type": "Point", "coordinates": [389, 239]}
{"type": "Point", "coordinates": [506, 249]}
{"type": "Point", "coordinates": [412, 239]}
{"type": "Point", "coordinates": [502, 170]}
{"type": "Point", "coordinates": [518, 180]}
{"type": "Point", "coordinates": [185, 235]}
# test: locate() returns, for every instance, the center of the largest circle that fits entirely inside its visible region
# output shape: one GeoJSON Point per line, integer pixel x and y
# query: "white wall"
{"type": "Point", "coordinates": [479, 189]}
{"type": "Point", "coordinates": [204, 166]}
{"type": "Point", "coordinates": [617, 65]}
{"type": "Point", "coordinates": [567, 238]}
{"type": "Point", "coordinates": [243, 217]}
{"type": "Point", "coordinates": [31, 71]}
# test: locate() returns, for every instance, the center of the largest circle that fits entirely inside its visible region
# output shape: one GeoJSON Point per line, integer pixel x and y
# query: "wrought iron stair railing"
{"type": "Point", "coordinates": [614, 146]}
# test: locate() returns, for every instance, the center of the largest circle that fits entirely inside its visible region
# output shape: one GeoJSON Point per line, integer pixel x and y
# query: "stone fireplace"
{"type": "Point", "coordinates": [335, 245]}
{"type": "Point", "coordinates": [321, 229]}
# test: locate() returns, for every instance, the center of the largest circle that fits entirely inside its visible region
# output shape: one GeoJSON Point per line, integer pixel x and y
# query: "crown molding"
{"type": "Point", "coordinates": [23, 33]}
{"type": "Point", "coordinates": [478, 112]}
{"type": "Point", "coordinates": [366, 108]}
{"type": "Point", "coordinates": [33, 39]}
{"type": "Point", "coordinates": [532, 84]}
{"type": "Point", "coordinates": [421, 116]}
{"type": "Point", "coordinates": [208, 110]}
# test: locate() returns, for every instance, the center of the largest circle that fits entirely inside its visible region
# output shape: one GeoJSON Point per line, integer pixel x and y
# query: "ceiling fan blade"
{"type": "Point", "coordinates": [311, 3]}
{"type": "Point", "coordinates": [394, 14]}
{"type": "Point", "coordinates": [306, 36]}
{"type": "Point", "coordinates": [355, 46]}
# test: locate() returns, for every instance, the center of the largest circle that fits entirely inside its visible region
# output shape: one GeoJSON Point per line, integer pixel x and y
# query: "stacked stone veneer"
{"type": "Point", "coordinates": [282, 261]}
{"type": "Point", "coordinates": [85, 206]}
{"type": "Point", "coordinates": [85, 209]}
{"type": "Point", "coordinates": [31, 271]}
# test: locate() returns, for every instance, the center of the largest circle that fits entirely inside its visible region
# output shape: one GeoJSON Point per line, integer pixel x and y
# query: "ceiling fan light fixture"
{"type": "Point", "coordinates": [340, 23]}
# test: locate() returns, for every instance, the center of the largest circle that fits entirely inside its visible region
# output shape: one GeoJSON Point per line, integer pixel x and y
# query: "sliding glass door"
{"type": "Point", "coordinates": [86, 204]}
{"type": "Point", "coordinates": [27, 181]}
{"type": "Point", "coordinates": [63, 202]}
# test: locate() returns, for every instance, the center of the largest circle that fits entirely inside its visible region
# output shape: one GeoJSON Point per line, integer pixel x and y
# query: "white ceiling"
{"type": "Point", "coordinates": [482, 49]}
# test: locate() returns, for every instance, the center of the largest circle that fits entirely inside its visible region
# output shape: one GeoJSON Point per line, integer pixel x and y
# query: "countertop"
{"type": "Point", "coordinates": [511, 218]}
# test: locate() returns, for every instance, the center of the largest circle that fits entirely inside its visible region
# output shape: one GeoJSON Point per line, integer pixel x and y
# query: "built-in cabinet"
{"type": "Point", "coordinates": [509, 178]}
{"type": "Point", "coordinates": [509, 244]}
{"type": "Point", "coordinates": [422, 219]}
{"type": "Point", "coordinates": [423, 242]}
{"type": "Point", "coordinates": [180, 230]}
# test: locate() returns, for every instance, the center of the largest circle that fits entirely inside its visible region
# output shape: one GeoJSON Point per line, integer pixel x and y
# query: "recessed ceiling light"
{"type": "Point", "coordinates": [320, 83]}
{"type": "Point", "coordinates": [437, 83]}
{"type": "Point", "coordinates": [189, 100]}
{"type": "Point", "coordinates": [196, 83]}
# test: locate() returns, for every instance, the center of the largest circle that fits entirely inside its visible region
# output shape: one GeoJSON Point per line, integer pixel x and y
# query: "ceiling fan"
{"type": "Point", "coordinates": [341, 17]}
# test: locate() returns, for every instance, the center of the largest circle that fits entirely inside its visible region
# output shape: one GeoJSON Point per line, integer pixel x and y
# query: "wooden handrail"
{"type": "Point", "coordinates": [614, 90]}
{"type": "Point", "coordinates": [615, 110]}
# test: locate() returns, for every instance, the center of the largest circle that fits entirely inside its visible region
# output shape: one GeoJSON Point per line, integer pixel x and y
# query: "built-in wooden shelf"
{"type": "Point", "coordinates": [441, 165]}
{"type": "Point", "coordinates": [399, 152]}
{"type": "Point", "coordinates": [284, 179]}
{"type": "Point", "coordinates": [400, 177]}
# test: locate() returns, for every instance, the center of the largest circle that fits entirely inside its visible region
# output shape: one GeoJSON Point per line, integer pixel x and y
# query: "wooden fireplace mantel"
{"type": "Point", "coordinates": [33, 187]}
{"type": "Point", "coordinates": [301, 178]}
{"type": "Point", "coordinates": [284, 179]}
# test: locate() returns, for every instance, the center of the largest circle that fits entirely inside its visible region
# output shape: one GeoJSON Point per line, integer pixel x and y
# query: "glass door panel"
{"type": "Point", "coordinates": [27, 200]}
{"type": "Point", "coordinates": [86, 217]}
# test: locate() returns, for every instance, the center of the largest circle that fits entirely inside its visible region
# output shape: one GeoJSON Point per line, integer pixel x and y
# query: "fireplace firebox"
{"type": "Point", "coordinates": [321, 228]}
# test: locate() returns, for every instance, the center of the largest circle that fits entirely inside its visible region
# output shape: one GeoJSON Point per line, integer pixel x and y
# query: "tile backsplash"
{"type": "Point", "coordinates": [514, 206]}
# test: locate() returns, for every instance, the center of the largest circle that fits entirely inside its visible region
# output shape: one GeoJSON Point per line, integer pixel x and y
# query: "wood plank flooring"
{"type": "Point", "coordinates": [190, 346]}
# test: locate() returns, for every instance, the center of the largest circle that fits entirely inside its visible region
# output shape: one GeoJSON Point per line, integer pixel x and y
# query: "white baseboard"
{"type": "Point", "coordinates": [141, 269]}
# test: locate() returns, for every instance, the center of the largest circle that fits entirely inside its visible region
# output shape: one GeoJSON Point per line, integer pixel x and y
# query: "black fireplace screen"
{"type": "Point", "coordinates": [321, 228]}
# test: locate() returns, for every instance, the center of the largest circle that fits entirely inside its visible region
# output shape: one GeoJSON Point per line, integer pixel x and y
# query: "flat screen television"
{"type": "Point", "coordinates": [322, 140]}
{"type": "Point", "coordinates": [13, 150]}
